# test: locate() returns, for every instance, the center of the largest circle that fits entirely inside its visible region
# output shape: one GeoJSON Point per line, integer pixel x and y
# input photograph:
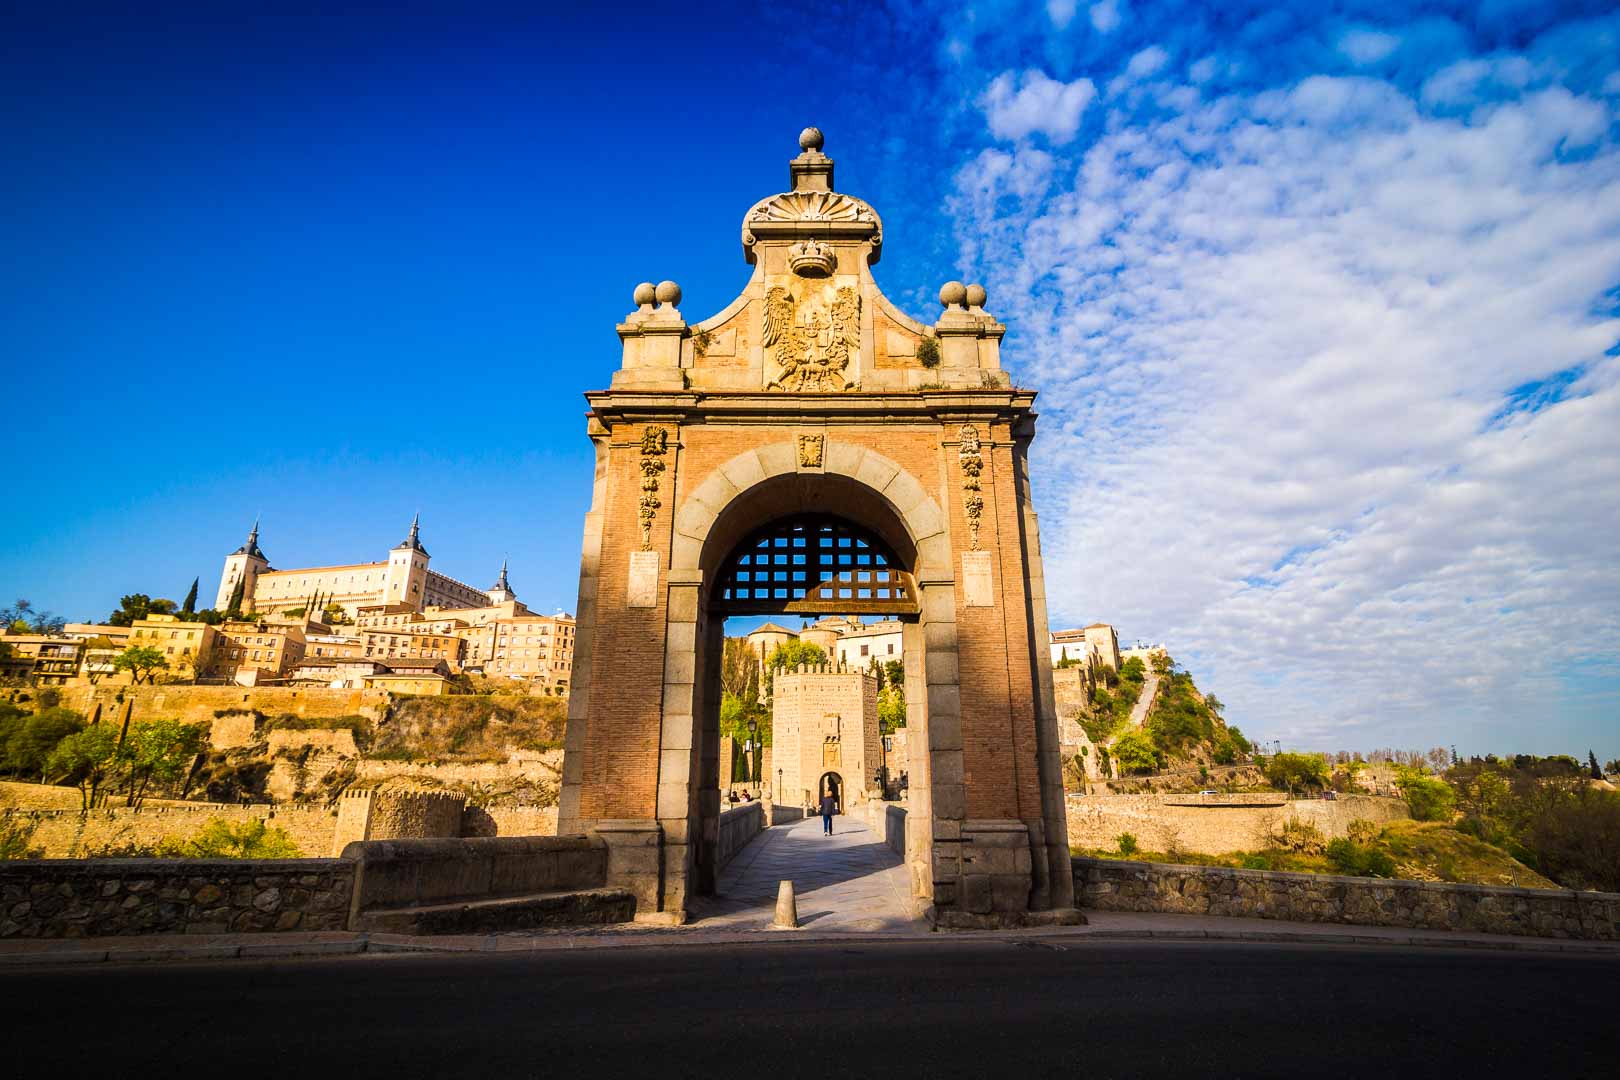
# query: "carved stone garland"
{"type": "Point", "coordinates": [972, 466]}
{"type": "Point", "coordinates": [654, 444]}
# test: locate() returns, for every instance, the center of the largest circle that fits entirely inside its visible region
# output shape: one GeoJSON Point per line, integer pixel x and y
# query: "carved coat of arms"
{"type": "Point", "coordinates": [811, 339]}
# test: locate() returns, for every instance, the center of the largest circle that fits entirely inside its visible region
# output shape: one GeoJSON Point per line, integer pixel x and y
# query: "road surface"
{"type": "Point", "coordinates": [935, 1007]}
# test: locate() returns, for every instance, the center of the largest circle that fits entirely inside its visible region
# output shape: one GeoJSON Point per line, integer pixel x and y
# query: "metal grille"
{"type": "Point", "coordinates": [816, 564]}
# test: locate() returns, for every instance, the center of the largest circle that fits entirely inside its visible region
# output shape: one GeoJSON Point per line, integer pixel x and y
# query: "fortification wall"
{"type": "Point", "coordinates": [366, 814]}
{"type": "Point", "coordinates": [1112, 885]}
{"type": "Point", "coordinates": [53, 898]}
{"type": "Point", "coordinates": [70, 834]}
{"type": "Point", "coordinates": [197, 704]}
{"type": "Point", "coordinates": [509, 821]}
{"type": "Point", "coordinates": [338, 741]}
{"type": "Point", "coordinates": [540, 768]}
{"type": "Point", "coordinates": [1214, 824]}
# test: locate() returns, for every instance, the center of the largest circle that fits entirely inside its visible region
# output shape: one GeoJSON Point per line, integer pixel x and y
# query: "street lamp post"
{"type": "Point", "coordinates": [753, 737]}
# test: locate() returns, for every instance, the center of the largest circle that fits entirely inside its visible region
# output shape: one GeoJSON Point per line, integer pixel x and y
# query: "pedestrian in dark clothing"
{"type": "Point", "coordinates": [829, 807]}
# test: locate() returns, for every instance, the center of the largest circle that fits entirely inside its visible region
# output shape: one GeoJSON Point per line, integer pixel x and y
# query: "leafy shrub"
{"type": "Point", "coordinates": [1299, 837]}
{"type": "Point", "coordinates": [1127, 844]}
{"type": "Point", "coordinates": [1135, 753]}
{"type": "Point", "coordinates": [1359, 860]}
{"type": "Point", "coordinates": [1256, 860]}
{"type": "Point", "coordinates": [928, 351]}
{"type": "Point", "coordinates": [220, 839]}
{"type": "Point", "coordinates": [16, 840]}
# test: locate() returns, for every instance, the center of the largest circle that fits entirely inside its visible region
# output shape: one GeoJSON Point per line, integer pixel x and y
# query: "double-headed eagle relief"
{"type": "Point", "coordinates": [811, 339]}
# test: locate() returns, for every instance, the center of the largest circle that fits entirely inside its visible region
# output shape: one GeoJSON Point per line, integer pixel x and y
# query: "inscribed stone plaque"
{"type": "Point", "coordinates": [977, 590]}
{"type": "Point", "coordinates": [643, 589]}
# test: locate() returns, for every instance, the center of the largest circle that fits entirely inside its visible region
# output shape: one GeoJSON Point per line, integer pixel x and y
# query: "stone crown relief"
{"type": "Point", "coordinates": [811, 319]}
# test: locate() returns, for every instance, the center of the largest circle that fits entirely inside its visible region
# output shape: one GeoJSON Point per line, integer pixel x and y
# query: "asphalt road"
{"type": "Point", "coordinates": [929, 1008]}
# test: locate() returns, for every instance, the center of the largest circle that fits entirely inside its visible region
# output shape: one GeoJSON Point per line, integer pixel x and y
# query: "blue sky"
{"type": "Point", "coordinates": [1322, 304]}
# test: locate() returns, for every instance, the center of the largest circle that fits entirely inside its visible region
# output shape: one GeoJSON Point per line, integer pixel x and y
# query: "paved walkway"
{"type": "Point", "coordinates": [847, 882]}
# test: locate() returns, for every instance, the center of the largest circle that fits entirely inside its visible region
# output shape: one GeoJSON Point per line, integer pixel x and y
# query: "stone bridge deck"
{"type": "Point", "coordinates": [849, 881]}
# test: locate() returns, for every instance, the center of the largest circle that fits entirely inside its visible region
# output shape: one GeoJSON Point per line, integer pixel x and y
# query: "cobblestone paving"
{"type": "Point", "coordinates": [849, 881]}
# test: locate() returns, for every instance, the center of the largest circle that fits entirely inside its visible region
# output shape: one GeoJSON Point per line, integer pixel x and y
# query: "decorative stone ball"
{"type": "Point", "coordinates": [668, 292]}
{"type": "Point", "coordinates": [975, 296]}
{"type": "Point", "coordinates": [952, 292]}
{"type": "Point", "coordinates": [645, 294]}
{"type": "Point", "coordinates": [811, 139]}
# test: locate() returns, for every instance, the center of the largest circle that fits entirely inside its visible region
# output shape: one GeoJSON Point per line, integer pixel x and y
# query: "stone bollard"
{"type": "Point", "coordinates": [787, 909]}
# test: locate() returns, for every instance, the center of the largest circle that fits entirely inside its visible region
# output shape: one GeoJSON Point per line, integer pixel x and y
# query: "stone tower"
{"type": "Point", "coordinates": [405, 581]}
{"type": "Point", "coordinates": [812, 450]}
{"type": "Point", "coordinates": [501, 591]}
{"type": "Point", "coordinates": [244, 565]}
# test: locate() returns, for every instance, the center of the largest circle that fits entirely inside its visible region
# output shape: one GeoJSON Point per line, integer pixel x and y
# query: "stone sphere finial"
{"type": "Point", "coordinates": [811, 138]}
{"type": "Point", "coordinates": [952, 292]}
{"type": "Point", "coordinates": [644, 295]}
{"type": "Point", "coordinates": [976, 296]}
{"type": "Point", "coordinates": [668, 292]}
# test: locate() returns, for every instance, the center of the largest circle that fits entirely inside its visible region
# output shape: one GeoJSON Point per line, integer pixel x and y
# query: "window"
{"type": "Point", "coordinates": [891, 648]}
{"type": "Point", "coordinates": [865, 649]}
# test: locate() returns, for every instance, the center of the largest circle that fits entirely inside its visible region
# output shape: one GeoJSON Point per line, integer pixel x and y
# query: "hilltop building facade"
{"type": "Point", "coordinates": [249, 583]}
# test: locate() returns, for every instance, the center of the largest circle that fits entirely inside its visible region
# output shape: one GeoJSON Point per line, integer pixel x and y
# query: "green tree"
{"type": "Point", "coordinates": [1135, 753]}
{"type": "Point", "coordinates": [790, 654]}
{"type": "Point", "coordinates": [161, 750]}
{"type": "Point", "coordinates": [142, 662]}
{"type": "Point", "coordinates": [87, 758]}
{"type": "Point", "coordinates": [1292, 772]}
{"type": "Point", "coordinates": [189, 604]}
{"type": "Point", "coordinates": [1592, 765]}
{"type": "Point", "coordinates": [30, 742]}
{"type": "Point", "coordinates": [1429, 798]}
{"type": "Point", "coordinates": [233, 609]}
{"type": "Point", "coordinates": [891, 709]}
{"type": "Point", "coordinates": [139, 606]}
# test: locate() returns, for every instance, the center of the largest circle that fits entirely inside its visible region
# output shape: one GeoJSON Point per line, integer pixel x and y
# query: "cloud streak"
{"type": "Point", "coordinates": [1328, 387]}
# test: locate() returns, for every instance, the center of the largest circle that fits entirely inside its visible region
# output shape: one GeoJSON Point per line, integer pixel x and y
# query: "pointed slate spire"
{"type": "Point", "coordinates": [414, 540]}
{"type": "Point", "coordinates": [252, 545]}
{"type": "Point", "coordinates": [500, 582]}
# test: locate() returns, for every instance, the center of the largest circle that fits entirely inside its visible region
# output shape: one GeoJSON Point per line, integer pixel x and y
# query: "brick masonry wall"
{"type": "Point", "coordinates": [107, 897]}
{"type": "Point", "coordinates": [1214, 825]}
{"type": "Point", "coordinates": [1111, 885]}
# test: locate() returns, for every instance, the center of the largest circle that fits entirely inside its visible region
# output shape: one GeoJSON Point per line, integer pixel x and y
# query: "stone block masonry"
{"type": "Point", "coordinates": [66, 834]}
{"type": "Point", "coordinates": [1112, 885]}
{"type": "Point", "coordinates": [58, 898]}
{"type": "Point", "coordinates": [1215, 824]}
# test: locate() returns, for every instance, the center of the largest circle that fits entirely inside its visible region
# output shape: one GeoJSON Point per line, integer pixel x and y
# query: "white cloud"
{"type": "Point", "coordinates": [1274, 335]}
{"type": "Point", "coordinates": [1061, 12]}
{"type": "Point", "coordinates": [1106, 16]}
{"type": "Point", "coordinates": [1147, 62]}
{"type": "Point", "coordinates": [1017, 106]}
{"type": "Point", "coordinates": [1368, 46]}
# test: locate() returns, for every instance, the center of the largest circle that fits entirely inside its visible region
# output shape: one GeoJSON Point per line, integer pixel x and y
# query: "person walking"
{"type": "Point", "coordinates": [829, 807]}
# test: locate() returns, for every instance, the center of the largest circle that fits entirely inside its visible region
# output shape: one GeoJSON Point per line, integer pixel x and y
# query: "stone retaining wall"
{"type": "Point", "coordinates": [54, 898]}
{"type": "Point", "coordinates": [738, 825]}
{"type": "Point", "coordinates": [888, 820]}
{"type": "Point", "coordinates": [1112, 885]}
{"type": "Point", "coordinates": [1215, 824]}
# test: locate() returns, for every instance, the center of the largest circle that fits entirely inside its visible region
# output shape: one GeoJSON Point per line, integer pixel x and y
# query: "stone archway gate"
{"type": "Point", "coordinates": [812, 394]}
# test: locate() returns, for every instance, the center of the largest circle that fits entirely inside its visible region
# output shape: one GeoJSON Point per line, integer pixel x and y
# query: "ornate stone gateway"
{"type": "Point", "coordinates": [813, 449]}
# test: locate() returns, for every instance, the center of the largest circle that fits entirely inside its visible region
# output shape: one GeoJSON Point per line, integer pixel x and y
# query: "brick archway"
{"type": "Point", "coordinates": [812, 394]}
{"type": "Point", "coordinates": [867, 487]}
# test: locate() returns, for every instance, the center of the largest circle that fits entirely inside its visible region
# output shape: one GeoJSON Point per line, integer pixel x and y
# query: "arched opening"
{"type": "Point", "coordinates": [833, 784]}
{"type": "Point", "coordinates": [809, 549]}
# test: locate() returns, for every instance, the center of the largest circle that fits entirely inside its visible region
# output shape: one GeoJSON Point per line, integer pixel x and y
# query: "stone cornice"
{"type": "Point", "coordinates": [610, 407]}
